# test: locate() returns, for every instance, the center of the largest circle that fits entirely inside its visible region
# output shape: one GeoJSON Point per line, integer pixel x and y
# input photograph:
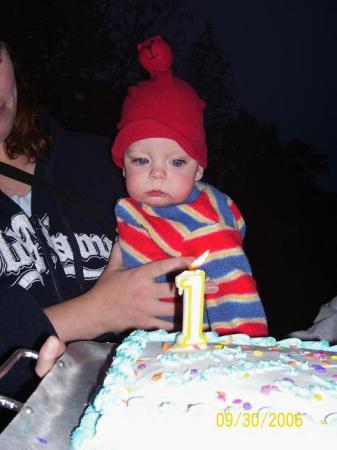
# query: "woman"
{"type": "Point", "coordinates": [55, 273]}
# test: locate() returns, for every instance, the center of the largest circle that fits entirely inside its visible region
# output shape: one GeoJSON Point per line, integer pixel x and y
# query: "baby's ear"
{"type": "Point", "coordinates": [199, 173]}
{"type": "Point", "coordinates": [123, 172]}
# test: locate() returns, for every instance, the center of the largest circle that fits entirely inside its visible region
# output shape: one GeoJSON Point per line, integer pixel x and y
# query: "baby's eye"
{"type": "Point", "coordinates": [178, 162]}
{"type": "Point", "coordinates": [140, 161]}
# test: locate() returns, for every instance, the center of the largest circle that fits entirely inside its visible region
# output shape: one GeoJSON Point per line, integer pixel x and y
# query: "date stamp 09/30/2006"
{"type": "Point", "coordinates": [265, 419]}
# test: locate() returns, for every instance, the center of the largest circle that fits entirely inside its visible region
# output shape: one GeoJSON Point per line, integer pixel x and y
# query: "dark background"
{"type": "Point", "coordinates": [266, 70]}
{"type": "Point", "coordinates": [283, 64]}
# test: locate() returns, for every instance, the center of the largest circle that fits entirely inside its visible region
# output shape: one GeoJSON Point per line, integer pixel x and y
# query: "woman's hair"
{"type": "Point", "coordinates": [28, 136]}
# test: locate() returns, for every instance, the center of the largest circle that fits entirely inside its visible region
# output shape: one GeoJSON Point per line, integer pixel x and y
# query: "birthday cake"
{"type": "Point", "coordinates": [234, 390]}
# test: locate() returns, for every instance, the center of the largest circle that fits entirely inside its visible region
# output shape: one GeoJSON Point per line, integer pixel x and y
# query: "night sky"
{"type": "Point", "coordinates": [284, 64]}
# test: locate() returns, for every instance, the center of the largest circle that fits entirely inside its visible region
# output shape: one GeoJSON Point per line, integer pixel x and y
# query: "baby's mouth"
{"type": "Point", "coordinates": [156, 193]}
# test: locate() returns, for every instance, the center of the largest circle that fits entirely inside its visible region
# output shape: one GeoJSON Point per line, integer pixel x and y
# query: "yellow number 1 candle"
{"type": "Point", "coordinates": [192, 284]}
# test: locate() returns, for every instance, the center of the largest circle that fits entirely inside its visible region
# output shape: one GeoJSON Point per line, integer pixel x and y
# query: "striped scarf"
{"type": "Point", "coordinates": [208, 219]}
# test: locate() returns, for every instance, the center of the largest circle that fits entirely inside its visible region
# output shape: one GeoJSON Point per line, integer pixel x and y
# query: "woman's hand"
{"type": "Point", "coordinates": [121, 299]}
{"type": "Point", "coordinates": [133, 294]}
{"type": "Point", "coordinates": [137, 298]}
{"type": "Point", "coordinates": [50, 351]}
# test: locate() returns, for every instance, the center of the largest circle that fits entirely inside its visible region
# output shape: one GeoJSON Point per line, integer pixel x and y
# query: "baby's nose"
{"type": "Point", "coordinates": [158, 172]}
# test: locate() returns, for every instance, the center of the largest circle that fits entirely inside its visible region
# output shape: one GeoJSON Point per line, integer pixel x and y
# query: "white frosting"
{"type": "Point", "coordinates": [279, 392]}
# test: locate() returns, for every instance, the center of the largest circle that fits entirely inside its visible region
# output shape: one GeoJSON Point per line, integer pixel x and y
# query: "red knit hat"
{"type": "Point", "coordinates": [163, 107]}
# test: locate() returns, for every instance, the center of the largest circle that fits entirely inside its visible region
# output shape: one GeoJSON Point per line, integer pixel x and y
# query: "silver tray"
{"type": "Point", "coordinates": [47, 418]}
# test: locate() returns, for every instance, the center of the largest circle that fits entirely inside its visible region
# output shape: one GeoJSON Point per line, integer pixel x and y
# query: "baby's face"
{"type": "Point", "coordinates": [159, 172]}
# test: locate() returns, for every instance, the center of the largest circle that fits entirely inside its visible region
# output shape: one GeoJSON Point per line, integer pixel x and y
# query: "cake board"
{"type": "Point", "coordinates": [47, 418]}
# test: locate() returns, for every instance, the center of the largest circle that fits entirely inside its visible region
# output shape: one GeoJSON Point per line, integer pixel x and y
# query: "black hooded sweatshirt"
{"type": "Point", "coordinates": [57, 253]}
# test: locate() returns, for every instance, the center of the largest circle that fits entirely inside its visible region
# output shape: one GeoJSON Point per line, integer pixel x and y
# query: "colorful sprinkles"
{"type": "Point", "coordinates": [157, 376]}
{"type": "Point", "coordinates": [247, 406]}
{"type": "Point", "coordinates": [165, 347]}
{"type": "Point", "coordinates": [268, 388]}
{"type": "Point", "coordinates": [318, 368]}
{"type": "Point", "coordinates": [141, 366]}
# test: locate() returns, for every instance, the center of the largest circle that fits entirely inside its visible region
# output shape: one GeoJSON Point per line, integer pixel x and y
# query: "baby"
{"type": "Point", "coordinates": [162, 151]}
